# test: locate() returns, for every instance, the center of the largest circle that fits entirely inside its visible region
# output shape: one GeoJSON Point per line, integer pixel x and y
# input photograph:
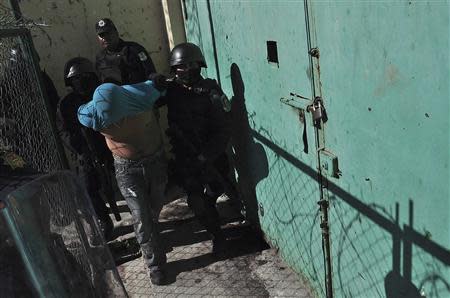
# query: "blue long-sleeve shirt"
{"type": "Point", "coordinates": [111, 103]}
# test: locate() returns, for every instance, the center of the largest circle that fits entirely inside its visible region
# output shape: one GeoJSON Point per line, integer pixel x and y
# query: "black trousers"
{"type": "Point", "coordinates": [191, 177]}
{"type": "Point", "coordinates": [93, 186]}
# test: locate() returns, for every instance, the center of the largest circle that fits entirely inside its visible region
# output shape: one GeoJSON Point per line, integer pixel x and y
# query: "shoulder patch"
{"type": "Point", "coordinates": [142, 56]}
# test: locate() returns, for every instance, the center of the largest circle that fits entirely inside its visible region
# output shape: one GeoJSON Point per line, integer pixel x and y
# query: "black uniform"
{"type": "Point", "coordinates": [52, 94]}
{"type": "Point", "coordinates": [8, 87]}
{"type": "Point", "coordinates": [130, 64]}
{"type": "Point", "coordinates": [74, 137]}
{"type": "Point", "coordinates": [198, 125]}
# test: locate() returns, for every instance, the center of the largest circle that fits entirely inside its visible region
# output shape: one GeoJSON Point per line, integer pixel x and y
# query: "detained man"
{"type": "Point", "coordinates": [126, 117]}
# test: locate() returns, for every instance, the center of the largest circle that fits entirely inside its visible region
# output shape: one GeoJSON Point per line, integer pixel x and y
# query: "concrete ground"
{"type": "Point", "coordinates": [250, 268]}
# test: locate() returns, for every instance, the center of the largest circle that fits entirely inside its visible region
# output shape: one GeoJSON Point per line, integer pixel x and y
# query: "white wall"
{"type": "Point", "coordinates": [68, 29]}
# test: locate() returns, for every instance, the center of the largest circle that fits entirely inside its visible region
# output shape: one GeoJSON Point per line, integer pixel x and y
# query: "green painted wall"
{"type": "Point", "coordinates": [384, 77]}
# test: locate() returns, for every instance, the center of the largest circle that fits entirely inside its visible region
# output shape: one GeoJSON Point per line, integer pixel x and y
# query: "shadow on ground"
{"type": "Point", "coordinates": [180, 229]}
{"type": "Point", "coordinates": [241, 240]}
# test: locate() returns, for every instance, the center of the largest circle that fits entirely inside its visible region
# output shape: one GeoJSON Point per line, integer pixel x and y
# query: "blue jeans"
{"type": "Point", "coordinates": [142, 183]}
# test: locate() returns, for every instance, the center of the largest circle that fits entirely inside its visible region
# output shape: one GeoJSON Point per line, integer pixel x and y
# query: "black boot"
{"type": "Point", "coordinates": [155, 258]}
{"type": "Point", "coordinates": [212, 225]}
{"type": "Point", "coordinates": [219, 245]}
{"type": "Point", "coordinates": [157, 275]}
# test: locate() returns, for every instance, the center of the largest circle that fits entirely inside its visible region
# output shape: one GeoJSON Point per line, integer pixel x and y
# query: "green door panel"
{"type": "Point", "coordinates": [286, 190]}
{"type": "Point", "coordinates": [384, 77]}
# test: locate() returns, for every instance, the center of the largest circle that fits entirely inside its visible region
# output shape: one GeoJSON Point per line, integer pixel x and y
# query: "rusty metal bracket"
{"type": "Point", "coordinates": [314, 52]}
{"type": "Point", "coordinates": [297, 101]}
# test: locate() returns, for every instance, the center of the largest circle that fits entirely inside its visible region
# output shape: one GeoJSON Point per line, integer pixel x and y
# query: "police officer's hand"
{"type": "Point", "coordinates": [159, 81]}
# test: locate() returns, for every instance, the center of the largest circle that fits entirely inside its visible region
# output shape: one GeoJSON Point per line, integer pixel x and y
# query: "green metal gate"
{"type": "Point", "coordinates": [270, 78]}
{"type": "Point", "coordinates": [384, 75]}
{"type": "Point", "coordinates": [381, 71]}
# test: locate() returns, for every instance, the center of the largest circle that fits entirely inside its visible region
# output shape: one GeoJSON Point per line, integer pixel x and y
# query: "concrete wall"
{"type": "Point", "coordinates": [66, 29]}
{"type": "Point", "coordinates": [383, 76]}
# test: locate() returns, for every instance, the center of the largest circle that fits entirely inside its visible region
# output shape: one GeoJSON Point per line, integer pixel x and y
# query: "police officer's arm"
{"type": "Point", "coordinates": [140, 54]}
{"type": "Point", "coordinates": [98, 59]}
{"type": "Point", "coordinates": [67, 131]}
{"type": "Point", "coordinates": [97, 145]}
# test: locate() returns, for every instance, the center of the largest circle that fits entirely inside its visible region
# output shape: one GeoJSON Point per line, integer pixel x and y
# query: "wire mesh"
{"type": "Point", "coordinates": [26, 128]}
{"type": "Point", "coordinates": [361, 251]}
{"type": "Point", "coordinates": [432, 277]}
{"type": "Point", "coordinates": [7, 18]}
{"type": "Point", "coordinates": [60, 241]}
{"type": "Point", "coordinates": [50, 222]}
{"type": "Point", "coordinates": [11, 20]}
{"type": "Point", "coordinates": [291, 218]}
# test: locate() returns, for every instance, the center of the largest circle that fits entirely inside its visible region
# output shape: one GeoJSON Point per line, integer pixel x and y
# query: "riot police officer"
{"type": "Point", "coordinates": [198, 131]}
{"type": "Point", "coordinates": [87, 147]}
{"type": "Point", "coordinates": [120, 62]}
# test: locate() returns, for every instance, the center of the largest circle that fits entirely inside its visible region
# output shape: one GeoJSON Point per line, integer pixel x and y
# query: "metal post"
{"type": "Point", "coordinates": [15, 9]}
{"type": "Point", "coordinates": [313, 52]}
{"type": "Point", "coordinates": [326, 245]}
{"type": "Point", "coordinates": [213, 38]}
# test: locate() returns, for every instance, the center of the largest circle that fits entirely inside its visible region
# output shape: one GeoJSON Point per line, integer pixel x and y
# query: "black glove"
{"type": "Point", "coordinates": [159, 81]}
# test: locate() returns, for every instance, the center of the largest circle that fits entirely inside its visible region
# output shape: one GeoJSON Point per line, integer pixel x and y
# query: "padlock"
{"type": "Point", "coordinates": [317, 110]}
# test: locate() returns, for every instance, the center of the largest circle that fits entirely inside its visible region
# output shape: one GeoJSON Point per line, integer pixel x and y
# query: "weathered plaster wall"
{"type": "Point", "coordinates": [67, 29]}
{"type": "Point", "coordinates": [173, 14]}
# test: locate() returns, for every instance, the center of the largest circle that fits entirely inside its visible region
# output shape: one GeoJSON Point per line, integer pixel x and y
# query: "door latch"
{"type": "Point", "coordinates": [300, 103]}
{"type": "Point", "coordinates": [297, 101]}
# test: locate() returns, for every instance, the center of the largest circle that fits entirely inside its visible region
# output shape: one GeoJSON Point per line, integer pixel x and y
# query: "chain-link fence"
{"type": "Point", "coordinates": [293, 215]}
{"type": "Point", "coordinates": [56, 233]}
{"type": "Point", "coordinates": [26, 126]}
{"type": "Point", "coordinates": [361, 251]}
{"type": "Point", "coordinates": [50, 241]}
{"type": "Point", "coordinates": [8, 19]}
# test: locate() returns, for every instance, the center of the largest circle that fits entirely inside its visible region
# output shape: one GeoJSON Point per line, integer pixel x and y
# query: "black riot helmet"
{"type": "Point", "coordinates": [79, 73]}
{"type": "Point", "coordinates": [185, 53]}
{"type": "Point", "coordinates": [77, 66]}
{"type": "Point", "coordinates": [186, 61]}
